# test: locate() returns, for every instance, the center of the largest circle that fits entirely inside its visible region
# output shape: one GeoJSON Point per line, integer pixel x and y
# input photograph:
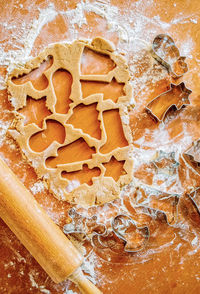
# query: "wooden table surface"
{"type": "Point", "coordinates": [173, 264]}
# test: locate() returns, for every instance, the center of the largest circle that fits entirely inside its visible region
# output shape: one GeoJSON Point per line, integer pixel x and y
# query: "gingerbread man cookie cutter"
{"type": "Point", "coordinates": [121, 225]}
{"type": "Point", "coordinates": [103, 237]}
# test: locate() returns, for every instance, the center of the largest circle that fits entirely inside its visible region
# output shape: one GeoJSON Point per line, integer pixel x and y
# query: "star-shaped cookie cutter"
{"type": "Point", "coordinates": [156, 106]}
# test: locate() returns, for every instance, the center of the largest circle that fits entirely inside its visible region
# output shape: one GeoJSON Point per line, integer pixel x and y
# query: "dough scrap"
{"type": "Point", "coordinates": [67, 58]}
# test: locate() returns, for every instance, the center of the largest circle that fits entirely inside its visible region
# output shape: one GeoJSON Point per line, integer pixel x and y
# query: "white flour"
{"type": "Point", "coordinates": [127, 31]}
{"type": "Point", "coordinates": [130, 30]}
{"type": "Point", "coordinates": [130, 25]}
{"type": "Point", "coordinates": [29, 33]}
{"type": "Point", "coordinates": [34, 284]}
{"type": "Point", "coordinates": [38, 187]}
{"type": "Point", "coordinates": [4, 126]}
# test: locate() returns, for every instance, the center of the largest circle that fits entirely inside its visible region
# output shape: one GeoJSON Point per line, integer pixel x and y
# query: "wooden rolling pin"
{"type": "Point", "coordinates": [38, 233]}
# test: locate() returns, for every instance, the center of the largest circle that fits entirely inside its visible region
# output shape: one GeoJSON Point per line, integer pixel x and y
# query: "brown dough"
{"type": "Point", "coordinates": [68, 57]}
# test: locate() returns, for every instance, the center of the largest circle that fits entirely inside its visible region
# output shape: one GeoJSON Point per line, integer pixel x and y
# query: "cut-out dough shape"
{"type": "Point", "coordinates": [53, 132]}
{"type": "Point", "coordinates": [76, 151]}
{"type": "Point", "coordinates": [75, 130]}
{"type": "Point", "coordinates": [62, 82]}
{"type": "Point", "coordinates": [35, 111]}
{"type": "Point", "coordinates": [91, 125]}
{"type": "Point", "coordinates": [112, 90]}
{"type": "Point", "coordinates": [36, 76]}
{"type": "Point", "coordinates": [85, 176]}
{"type": "Point", "coordinates": [114, 168]}
{"type": "Point", "coordinates": [114, 131]}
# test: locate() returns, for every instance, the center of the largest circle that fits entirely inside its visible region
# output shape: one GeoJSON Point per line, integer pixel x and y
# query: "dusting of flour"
{"type": "Point", "coordinates": [38, 187]}
{"type": "Point", "coordinates": [130, 29]}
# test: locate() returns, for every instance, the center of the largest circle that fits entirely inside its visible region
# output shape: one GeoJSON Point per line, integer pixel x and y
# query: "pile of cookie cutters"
{"type": "Point", "coordinates": [167, 54]}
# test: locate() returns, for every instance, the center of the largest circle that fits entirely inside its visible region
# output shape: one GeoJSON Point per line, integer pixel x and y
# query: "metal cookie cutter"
{"type": "Point", "coordinates": [124, 236]}
{"type": "Point", "coordinates": [158, 214]}
{"type": "Point", "coordinates": [165, 163]}
{"type": "Point", "coordinates": [192, 156]}
{"type": "Point", "coordinates": [135, 238]}
{"type": "Point", "coordinates": [154, 203]}
{"type": "Point", "coordinates": [165, 51]}
{"type": "Point", "coordinates": [84, 226]}
{"type": "Point", "coordinates": [195, 195]}
{"type": "Point", "coordinates": [176, 96]}
{"type": "Point", "coordinates": [123, 230]}
{"type": "Point", "coordinates": [190, 209]}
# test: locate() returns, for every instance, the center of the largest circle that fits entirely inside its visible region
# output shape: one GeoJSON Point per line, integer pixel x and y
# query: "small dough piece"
{"type": "Point", "coordinates": [102, 44]}
{"type": "Point", "coordinates": [63, 156]}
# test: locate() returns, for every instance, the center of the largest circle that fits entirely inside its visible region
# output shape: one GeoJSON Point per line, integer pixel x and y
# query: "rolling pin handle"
{"type": "Point", "coordinates": [85, 286]}
{"type": "Point", "coordinates": [38, 233]}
